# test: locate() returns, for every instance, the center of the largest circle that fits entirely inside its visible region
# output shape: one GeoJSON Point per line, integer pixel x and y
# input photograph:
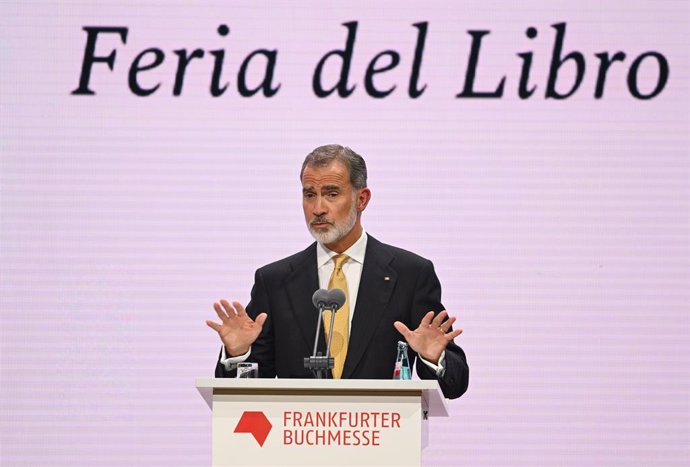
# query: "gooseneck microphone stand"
{"type": "Point", "coordinates": [320, 364]}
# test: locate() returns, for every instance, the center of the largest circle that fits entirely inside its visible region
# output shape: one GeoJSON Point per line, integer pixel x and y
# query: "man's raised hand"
{"type": "Point", "coordinates": [432, 336]}
{"type": "Point", "coordinates": [237, 330]}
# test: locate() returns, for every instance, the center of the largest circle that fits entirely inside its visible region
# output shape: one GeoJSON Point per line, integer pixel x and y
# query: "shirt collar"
{"type": "Point", "coordinates": [355, 252]}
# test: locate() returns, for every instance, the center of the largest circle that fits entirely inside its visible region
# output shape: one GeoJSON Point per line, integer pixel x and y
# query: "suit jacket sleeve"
{"type": "Point", "coordinates": [427, 298]}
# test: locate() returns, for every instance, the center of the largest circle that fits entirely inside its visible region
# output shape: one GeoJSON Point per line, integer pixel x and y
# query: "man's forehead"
{"type": "Point", "coordinates": [333, 174]}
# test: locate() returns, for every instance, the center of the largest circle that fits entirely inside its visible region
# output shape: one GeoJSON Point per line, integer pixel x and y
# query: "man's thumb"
{"type": "Point", "coordinates": [261, 319]}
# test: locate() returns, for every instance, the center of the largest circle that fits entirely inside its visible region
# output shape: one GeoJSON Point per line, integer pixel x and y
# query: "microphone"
{"type": "Point", "coordinates": [336, 299]}
{"type": "Point", "coordinates": [320, 299]}
{"type": "Point", "coordinates": [320, 364]}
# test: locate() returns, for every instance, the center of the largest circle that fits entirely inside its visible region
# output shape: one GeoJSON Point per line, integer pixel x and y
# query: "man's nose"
{"type": "Point", "coordinates": [319, 208]}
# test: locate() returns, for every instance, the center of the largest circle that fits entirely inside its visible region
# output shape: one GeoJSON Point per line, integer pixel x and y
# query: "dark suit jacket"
{"type": "Point", "coordinates": [396, 285]}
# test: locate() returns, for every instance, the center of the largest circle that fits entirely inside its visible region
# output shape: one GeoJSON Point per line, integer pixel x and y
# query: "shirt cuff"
{"type": "Point", "coordinates": [439, 368]}
{"type": "Point", "coordinates": [230, 363]}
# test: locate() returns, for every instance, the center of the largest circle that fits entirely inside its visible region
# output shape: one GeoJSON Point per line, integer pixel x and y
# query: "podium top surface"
{"type": "Point", "coordinates": [429, 389]}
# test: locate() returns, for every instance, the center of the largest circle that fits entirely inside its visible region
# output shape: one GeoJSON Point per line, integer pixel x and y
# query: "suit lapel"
{"type": "Point", "coordinates": [375, 288]}
{"type": "Point", "coordinates": [300, 285]}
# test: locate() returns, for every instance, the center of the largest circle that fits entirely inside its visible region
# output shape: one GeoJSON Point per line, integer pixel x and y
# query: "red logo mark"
{"type": "Point", "coordinates": [255, 423]}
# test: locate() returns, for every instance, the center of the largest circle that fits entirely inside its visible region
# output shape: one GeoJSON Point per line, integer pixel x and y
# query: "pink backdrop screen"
{"type": "Point", "coordinates": [559, 227]}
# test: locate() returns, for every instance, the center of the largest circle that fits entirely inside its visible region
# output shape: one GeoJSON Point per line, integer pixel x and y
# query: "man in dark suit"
{"type": "Point", "coordinates": [391, 293]}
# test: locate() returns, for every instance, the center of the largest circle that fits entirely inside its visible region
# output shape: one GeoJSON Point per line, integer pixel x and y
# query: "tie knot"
{"type": "Point", "coordinates": [339, 261]}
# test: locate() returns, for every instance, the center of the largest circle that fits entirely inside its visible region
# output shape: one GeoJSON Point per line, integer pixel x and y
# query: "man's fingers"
{"type": "Point", "coordinates": [438, 320]}
{"type": "Point", "coordinates": [239, 309]}
{"type": "Point", "coordinates": [454, 334]}
{"type": "Point", "coordinates": [426, 321]}
{"type": "Point", "coordinates": [449, 322]}
{"type": "Point", "coordinates": [402, 329]}
{"type": "Point", "coordinates": [228, 308]}
{"type": "Point", "coordinates": [219, 311]}
{"type": "Point", "coordinates": [215, 326]}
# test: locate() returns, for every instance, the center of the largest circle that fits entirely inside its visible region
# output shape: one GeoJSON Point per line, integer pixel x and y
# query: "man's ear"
{"type": "Point", "coordinates": [363, 199]}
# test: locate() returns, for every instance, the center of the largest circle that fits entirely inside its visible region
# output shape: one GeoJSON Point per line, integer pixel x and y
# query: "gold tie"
{"type": "Point", "coordinates": [342, 318]}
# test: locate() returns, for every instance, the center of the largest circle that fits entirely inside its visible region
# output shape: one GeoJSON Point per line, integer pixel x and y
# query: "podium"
{"type": "Point", "coordinates": [320, 422]}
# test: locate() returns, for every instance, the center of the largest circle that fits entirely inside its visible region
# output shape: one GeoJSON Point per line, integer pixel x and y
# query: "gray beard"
{"type": "Point", "coordinates": [336, 231]}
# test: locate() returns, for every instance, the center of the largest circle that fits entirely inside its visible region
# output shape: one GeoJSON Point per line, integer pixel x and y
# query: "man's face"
{"type": "Point", "coordinates": [330, 202]}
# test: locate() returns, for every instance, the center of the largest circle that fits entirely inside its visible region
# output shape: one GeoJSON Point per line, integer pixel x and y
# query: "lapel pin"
{"type": "Point", "coordinates": [386, 278]}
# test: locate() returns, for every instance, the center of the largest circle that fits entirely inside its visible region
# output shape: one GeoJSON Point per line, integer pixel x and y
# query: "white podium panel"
{"type": "Point", "coordinates": [320, 422]}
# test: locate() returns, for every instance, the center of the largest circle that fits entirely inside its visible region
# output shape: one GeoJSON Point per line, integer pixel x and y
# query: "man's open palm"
{"type": "Point", "coordinates": [237, 331]}
{"type": "Point", "coordinates": [432, 336]}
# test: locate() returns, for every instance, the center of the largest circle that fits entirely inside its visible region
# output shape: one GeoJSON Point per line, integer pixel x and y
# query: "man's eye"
{"type": "Point", "coordinates": [308, 195]}
{"type": "Point", "coordinates": [333, 194]}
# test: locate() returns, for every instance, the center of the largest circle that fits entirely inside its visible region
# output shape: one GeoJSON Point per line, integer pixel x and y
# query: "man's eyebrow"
{"type": "Point", "coordinates": [308, 188]}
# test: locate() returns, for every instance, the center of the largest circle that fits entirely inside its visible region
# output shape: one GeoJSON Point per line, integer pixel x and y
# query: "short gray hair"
{"type": "Point", "coordinates": [323, 156]}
